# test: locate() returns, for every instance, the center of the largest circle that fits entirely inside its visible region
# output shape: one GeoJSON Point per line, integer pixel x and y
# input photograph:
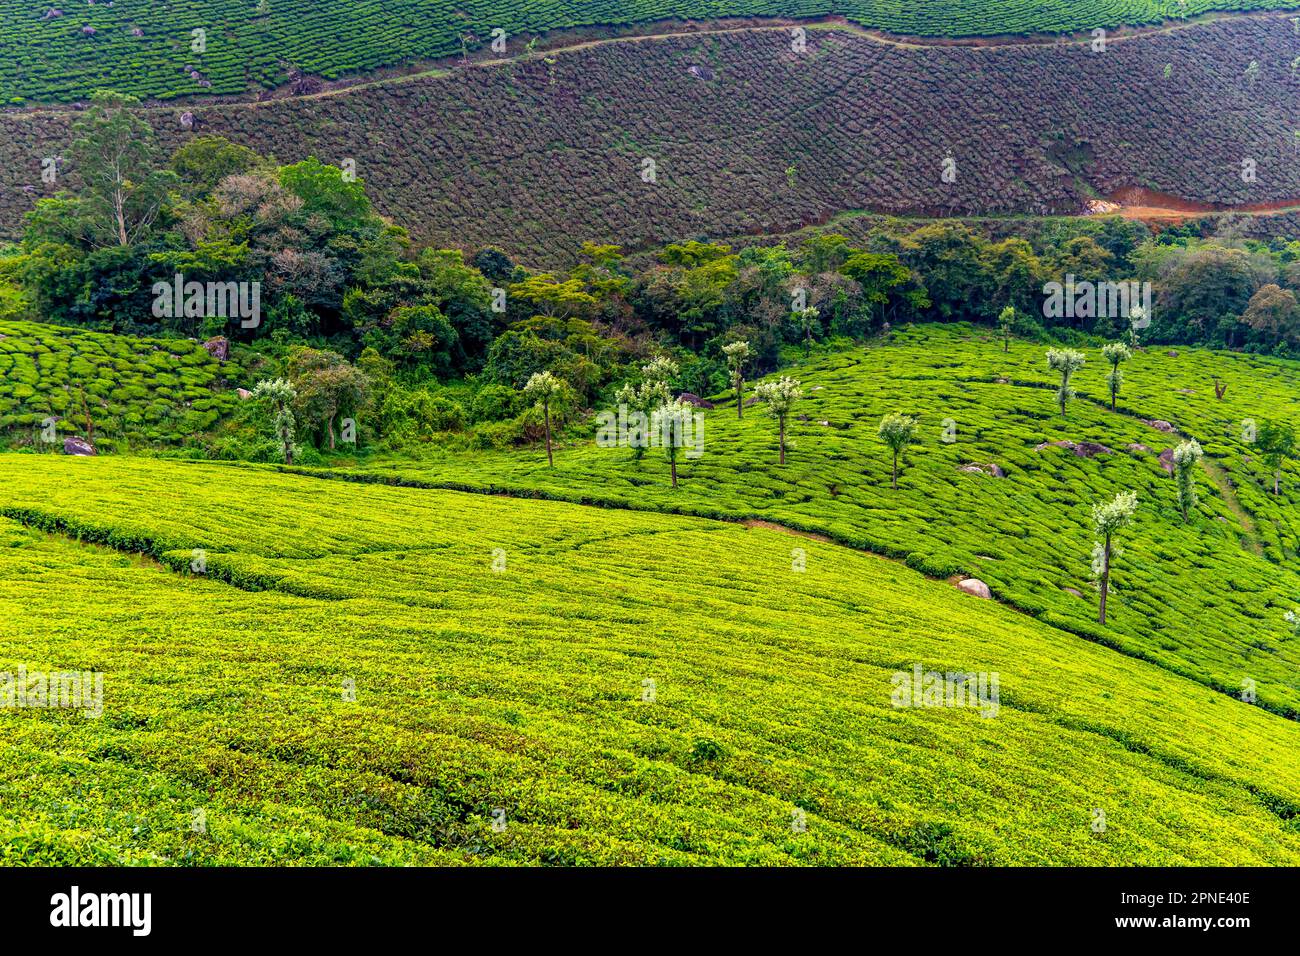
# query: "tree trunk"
{"type": "Point", "coordinates": [672, 463]}
{"type": "Point", "coordinates": [782, 424]}
{"type": "Point", "coordinates": [119, 213]}
{"type": "Point", "coordinates": [1112, 399]}
{"type": "Point", "coordinates": [330, 425]}
{"type": "Point", "coordinates": [1105, 580]}
{"type": "Point", "coordinates": [740, 399]}
{"type": "Point", "coordinates": [894, 480]}
{"type": "Point", "coordinates": [546, 412]}
{"type": "Point", "coordinates": [1006, 344]}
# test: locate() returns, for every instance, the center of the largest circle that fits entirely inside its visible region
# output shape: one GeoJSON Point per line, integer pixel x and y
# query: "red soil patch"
{"type": "Point", "coordinates": [1148, 205]}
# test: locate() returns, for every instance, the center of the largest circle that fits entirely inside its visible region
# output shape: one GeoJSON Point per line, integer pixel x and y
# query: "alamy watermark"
{"type": "Point", "coordinates": [627, 428]}
{"type": "Point", "coordinates": [1103, 300]}
{"type": "Point", "coordinates": [66, 690]}
{"type": "Point", "coordinates": [922, 688]}
{"type": "Point", "coordinates": [203, 300]}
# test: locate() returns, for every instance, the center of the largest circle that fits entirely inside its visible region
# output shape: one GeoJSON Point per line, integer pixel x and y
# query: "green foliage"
{"type": "Point", "coordinates": [1187, 456]}
{"type": "Point", "coordinates": [140, 391]}
{"type": "Point", "coordinates": [897, 432]}
{"type": "Point", "coordinates": [1189, 595]}
{"type": "Point", "coordinates": [525, 690]}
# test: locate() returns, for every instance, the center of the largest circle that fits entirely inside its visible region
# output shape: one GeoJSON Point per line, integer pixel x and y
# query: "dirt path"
{"type": "Point", "coordinates": [566, 43]}
{"type": "Point", "coordinates": [1250, 538]}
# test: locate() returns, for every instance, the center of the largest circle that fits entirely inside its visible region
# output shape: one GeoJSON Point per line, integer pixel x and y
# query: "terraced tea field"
{"type": "Point", "coordinates": [135, 390]}
{"type": "Point", "coordinates": [51, 53]}
{"type": "Point", "coordinates": [1204, 599]}
{"type": "Point", "coordinates": [749, 137]}
{"type": "Point", "coordinates": [369, 674]}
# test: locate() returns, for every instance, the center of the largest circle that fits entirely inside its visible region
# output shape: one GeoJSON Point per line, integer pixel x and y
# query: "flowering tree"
{"type": "Point", "coordinates": [280, 396]}
{"type": "Point", "coordinates": [672, 419]}
{"type": "Point", "coordinates": [779, 397]}
{"type": "Point", "coordinates": [1067, 362]}
{"type": "Point", "coordinates": [738, 353]}
{"type": "Point", "coordinates": [1109, 519]}
{"type": "Point", "coordinates": [654, 392]}
{"type": "Point", "coordinates": [1114, 353]}
{"type": "Point", "coordinates": [546, 390]}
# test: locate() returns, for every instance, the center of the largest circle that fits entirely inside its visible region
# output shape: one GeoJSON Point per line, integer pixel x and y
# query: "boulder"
{"type": "Point", "coordinates": [1077, 593]}
{"type": "Point", "coordinates": [1090, 449]}
{"type": "Point", "coordinates": [1172, 354]}
{"type": "Point", "coordinates": [1055, 444]}
{"type": "Point", "coordinates": [986, 469]}
{"type": "Point", "coordinates": [72, 445]}
{"type": "Point", "coordinates": [1139, 448]}
{"type": "Point", "coordinates": [976, 587]}
{"type": "Point", "coordinates": [700, 72]}
{"type": "Point", "coordinates": [689, 398]}
{"type": "Point", "coordinates": [1160, 425]}
{"type": "Point", "coordinates": [1167, 460]}
{"type": "Point", "coordinates": [218, 348]}
{"type": "Point", "coordinates": [751, 401]}
{"type": "Point", "coordinates": [243, 393]}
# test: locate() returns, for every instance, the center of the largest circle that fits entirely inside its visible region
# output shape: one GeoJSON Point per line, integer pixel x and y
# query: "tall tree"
{"type": "Point", "coordinates": [1006, 323]}
{"type": "Point", "coordinates": [279, 395]}
{"type": "Point", "coordinates": [672, 419]}
{"type": "Point", "coordinates": [1114, 353]}
{"type": "Point", "coordinates": [326, 386]}
{"type": "Point", "coordinates": [738, 353]}
{"type": "Point", "coordinates": [897, 432]}
{"type": "Point", "coordinates": [779, 397]}
{"type": "Point", "coordinates": [1109, 519]}
{"type": "Point", "coordinates": [546, 391]}
{"type": "Point", "coordinates": [1276, 443]}
{"type": "Point", "coordinates": [115, 154]}
{"type": "Point", "coordinates": [1066, 362]}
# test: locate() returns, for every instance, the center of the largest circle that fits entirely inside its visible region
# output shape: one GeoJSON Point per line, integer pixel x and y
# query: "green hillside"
{"type": "Point", "coordinates": [136, 390]}
{"type": "Point", "coordinates": [1204, 599]}
{"type": "Point", "coordinates": [526, 689]}
{"type": "Point", "coordinates": [53, 53]}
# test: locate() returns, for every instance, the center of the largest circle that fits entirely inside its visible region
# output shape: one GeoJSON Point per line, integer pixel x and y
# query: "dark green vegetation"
{"type": "Point", "coordinates": [63, 53]}
{"type": "Point", "coordinates": [424, 347]}
{"type": "Point", "coordinates": [353, 682]}
{"type": "Point", "coordinates": [515, 154]}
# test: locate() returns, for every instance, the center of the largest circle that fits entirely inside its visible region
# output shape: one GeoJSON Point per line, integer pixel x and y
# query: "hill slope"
{"type": "Point", "coordinates": [760, 139]}
{"type": "Point", "coordinates": [136, 390]}
{"type": "Point", "coordinates": [525, 689]}
{"type": "Point", "coordinates": [1204, 599]}
{"type": "Point", "coordinates": [47, 53]}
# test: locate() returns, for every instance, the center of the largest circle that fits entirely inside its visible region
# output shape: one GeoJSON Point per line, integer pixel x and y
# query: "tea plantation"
{"type": "Point", "coordinates": [366, 674]}
{"type": "Point", "coordinates": [136, 391]}
{"type": "Point", "coordinates": [1204, 599]}
{"type": "Point", "coordinates": [48, 53]}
